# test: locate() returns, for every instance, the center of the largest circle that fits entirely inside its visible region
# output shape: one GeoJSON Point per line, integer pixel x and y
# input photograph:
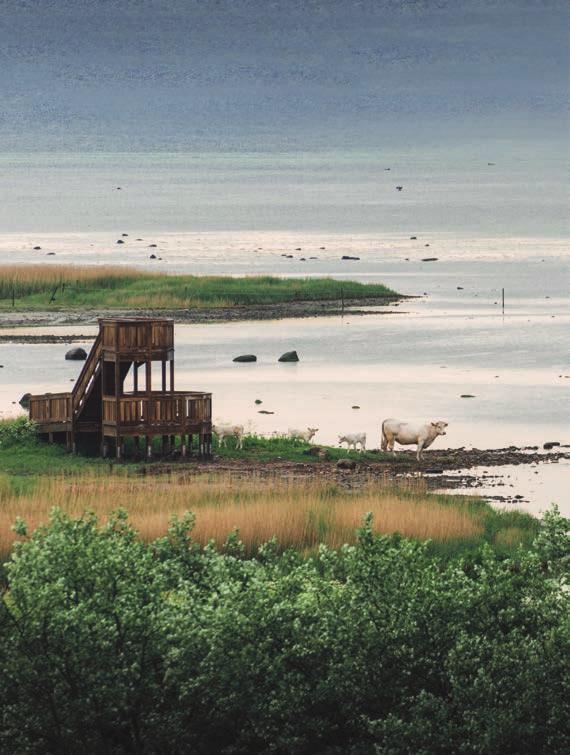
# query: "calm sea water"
{"type": "Point", "coordinates": [522, 193]}
{"type": "Point", "coordinates": [489, 226]}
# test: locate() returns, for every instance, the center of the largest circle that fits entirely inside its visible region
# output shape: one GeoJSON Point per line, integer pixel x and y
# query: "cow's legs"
{"type": "Point", "coordinates": [420, 449]}
{"type": "Point", "coordinates": [239, 441]}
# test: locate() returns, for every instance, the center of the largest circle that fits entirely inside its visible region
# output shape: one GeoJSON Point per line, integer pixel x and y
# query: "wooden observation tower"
{"type": "Point", "coordinates": [99, 407]}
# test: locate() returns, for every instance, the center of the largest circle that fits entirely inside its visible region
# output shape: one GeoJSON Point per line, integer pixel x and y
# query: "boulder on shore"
{"type": "Point", "coordinates": [77, 354]}
{"type": "Point", "coordinates": [25, 401]}
{"type": "Point", "coordinates": [289, 356]}
{"type": "Point", "coordinates": [245, 358]}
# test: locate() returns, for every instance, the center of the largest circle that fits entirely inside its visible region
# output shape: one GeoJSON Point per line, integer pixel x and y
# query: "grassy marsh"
{"type": "Point", "coordinates": [29, 287]}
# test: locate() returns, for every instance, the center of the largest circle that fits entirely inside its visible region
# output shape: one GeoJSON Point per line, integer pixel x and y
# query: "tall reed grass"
{"type": "Point", "coordinates": [114, 286]}
{"type": "Point", "coordinates": [299, 514]}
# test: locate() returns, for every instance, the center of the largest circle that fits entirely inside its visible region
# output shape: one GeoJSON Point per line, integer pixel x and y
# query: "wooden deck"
{"type": "Point", "coordinates": [99, 405]}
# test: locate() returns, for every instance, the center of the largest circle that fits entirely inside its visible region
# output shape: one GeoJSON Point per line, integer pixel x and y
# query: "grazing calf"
{"type": "Point", "coordinates": [306, 435]}
{"type": "Point", "coordinates": [352, 440]}
{"type": "Point", "coordinates": [406, 434]}
{"type": "Point", "coordinates": [227, 431]}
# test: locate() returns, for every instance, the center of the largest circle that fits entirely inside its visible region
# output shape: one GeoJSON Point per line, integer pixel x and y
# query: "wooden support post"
{"type": "Point", "coordinates": [135, 377]}
{"type": "Point", "coordinates": [104, 448]}
{"type": "Point", "coordinates": [183, 445]}
{"type": "Point", "coordinates": [164, 444]}
{"type": "Point", "coordinates": [148, 376]}
{"type": "Point", "coordinates": [190, 439]}
{"type": "Point", "coordinates": [172, 442]}
{"type": "Point", "coordinates": [163, 376]}
{"type": "Point", "coordinates": [172, 375]}
{"type": "Point", "coordinates": [137, 446]}
{"type": "Point", "coordinates": [148, 446]}
{"type": "Point", "coordinates": [118, 448]}
{"type": "Point", "coordinates": [50, 437]}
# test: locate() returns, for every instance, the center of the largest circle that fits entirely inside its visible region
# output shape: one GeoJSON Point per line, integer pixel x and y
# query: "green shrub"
{"type": "Point", "coordinates": [17, 431]}
{"type": "Point", "coordinates": [113, 645]}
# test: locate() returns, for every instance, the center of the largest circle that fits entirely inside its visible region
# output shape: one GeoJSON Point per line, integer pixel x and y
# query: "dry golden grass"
{"type": "Point", "coordinates": [32, 277]}
{"type": "Point", "coordinates": [300, 514]}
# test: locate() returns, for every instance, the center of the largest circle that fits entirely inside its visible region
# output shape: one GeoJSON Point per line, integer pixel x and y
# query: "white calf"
{"type": "Point", "coordinates": [406, 434]}
{"type": "Point", "coordinates": [352, 440]}
{"type": "Point", "coordinates": [227, 431]}
{"type": "Point", "coordinates": [306, 435]}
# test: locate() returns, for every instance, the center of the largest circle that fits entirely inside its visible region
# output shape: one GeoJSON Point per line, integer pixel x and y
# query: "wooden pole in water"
{"type": "Point", "coordinates": [503, 300]}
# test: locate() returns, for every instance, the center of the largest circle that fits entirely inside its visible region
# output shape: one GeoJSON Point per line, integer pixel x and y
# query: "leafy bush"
{"type": "Point", "coordinates": [114, 645]}
{"type": "Point", "coordinates": [17, 431]}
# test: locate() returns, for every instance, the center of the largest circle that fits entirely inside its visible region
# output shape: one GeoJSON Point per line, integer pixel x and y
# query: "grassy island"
{"type": "Point", "coordinates": [37, 287]}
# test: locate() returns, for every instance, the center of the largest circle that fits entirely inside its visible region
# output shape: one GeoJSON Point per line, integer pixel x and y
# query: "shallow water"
{"type": "Point", "coordinates": [413, 363]}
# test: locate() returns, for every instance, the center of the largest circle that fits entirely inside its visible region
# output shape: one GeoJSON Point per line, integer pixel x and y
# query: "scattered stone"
{"type": "Point", "coordinates": [152, 246]}
{"type": "Point", "coordinates": [426, 244]}
{"type": "Point", "coordinates": [317, 451]}
{"type": "Point", "coordinates": [119, 188]}
{"type": "Point", "coordinates": [124, 234]}
{"type": "Point", "coordinates": [152, 257]}
{"type": "Point", "coordinates": [264, 411]}
{"type": "Point", "coordinates": [138, 239]}
{"type": "Point", "coordinates": [50, 254]}
{"type": "Point", "coordinates": [433, 471]}
{"type": "Point", "coordinates": [302, 259]}
{"type": "Point", "coordinates": [313, 258]}
{"type": "Point", "coordinates": [430, 259]}
{"type": "Point", "coordinates": [245, 358]}
{"type": "Point", "coordinates": [322, 247]}
{"type": "Point", "coordinates": [25, 401]}
{"type": "Point", "coordinates": [550, 444]}
{"type": "Point", "coordinates": [460, 288]}
{"type": "Point", "coordinates": [258, 401]}
{"type": "Point", "coordinates": [77, 353]}
{"type": "Point", "coordinates": [119, 241]}
{"type": "Point", "coordinates": [413, 238]}
{"type": "Point", "coordinates": [399, 188]}
{"type": "Point", "coordinates": [356, 406]}
{"type": "Point", "coordinates": [467, 395]}
{"type": "Point", "coordinates": [298, 249]}
{"type": "Point", "coordinates": [347, 464]}
{"type": "Point", "coordinates": [348, 257]}
{"type": "Point", "coordinates": [37, 248]}
{"type": "Point", "coordinates": [289, 356]}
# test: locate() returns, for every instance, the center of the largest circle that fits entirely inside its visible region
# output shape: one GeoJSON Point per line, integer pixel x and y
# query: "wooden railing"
{"type": "Point", "coordinates": [51, 407]}
{"type": "Point", "coordinates": [178, 409]}
{"type": "Point", "coordinates": [137, 335]}
{"type": "Point", "coordinates": [87, 375]}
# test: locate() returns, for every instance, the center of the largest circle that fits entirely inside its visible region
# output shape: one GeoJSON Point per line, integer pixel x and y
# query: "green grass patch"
{"type": "Point", "coordinates": [70, 287]}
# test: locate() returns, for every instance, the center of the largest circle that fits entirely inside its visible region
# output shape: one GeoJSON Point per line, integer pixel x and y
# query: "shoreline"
{"type": "Point", "coordinates": [198, 316]}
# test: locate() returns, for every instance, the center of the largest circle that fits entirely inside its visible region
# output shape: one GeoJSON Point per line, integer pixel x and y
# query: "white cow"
{"type": "Point", "coordinates": [352, 440]}
{"type": "Point", "coordinates": [406, 434]}
{"type": "Point", "coordinates": [306, 435]}
{"type": "Point", "coordinates": [227, 431]}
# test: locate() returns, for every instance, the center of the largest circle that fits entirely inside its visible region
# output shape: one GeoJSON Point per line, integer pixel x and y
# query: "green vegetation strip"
{"type": "Point", "coordinates": [114, 645]}
{"type": "Point", "coordinates": [66, 286]}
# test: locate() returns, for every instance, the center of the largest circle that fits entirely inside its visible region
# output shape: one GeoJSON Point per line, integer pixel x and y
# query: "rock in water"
{"type": "Point", "coordinates": [289, 356]}
{"type": "Point", "coordinates": [77, 353]}
{"type": "Point", "coordinates": [25, 401]}
{"type": "Point", "coordinates": [245, 358]}
{"type": "Point", "coordinates": [429, 259]}
{"type": "Point", "coordinates": [348, 257]}
{"type": "Point", "coordinates": [550, 444]}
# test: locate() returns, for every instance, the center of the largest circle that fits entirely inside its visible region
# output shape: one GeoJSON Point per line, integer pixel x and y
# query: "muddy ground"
{"type": "Point", "coordinates": [202, 315]}
{"type": "Point", "coordinates": [438, 470]}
